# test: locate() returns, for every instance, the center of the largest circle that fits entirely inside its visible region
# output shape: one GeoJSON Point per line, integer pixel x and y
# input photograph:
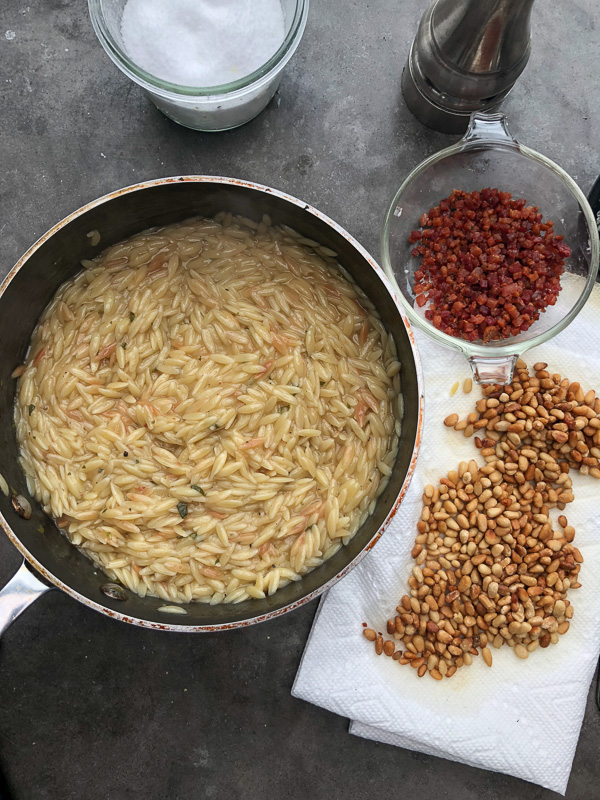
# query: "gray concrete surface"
{"type": "Point", "coordinates": [92, 709]}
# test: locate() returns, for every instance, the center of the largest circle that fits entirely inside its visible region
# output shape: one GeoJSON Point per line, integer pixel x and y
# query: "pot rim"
{"type": "Point", "coordinates": [182, 627]}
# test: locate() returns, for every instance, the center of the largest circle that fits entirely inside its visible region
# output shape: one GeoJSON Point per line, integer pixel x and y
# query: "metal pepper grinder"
{"type": "Point", "coordinates": [466, 57]}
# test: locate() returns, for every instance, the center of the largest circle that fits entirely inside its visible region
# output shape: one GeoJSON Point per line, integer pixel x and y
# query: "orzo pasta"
{"type": "Point", "coordinates": [209, 410]}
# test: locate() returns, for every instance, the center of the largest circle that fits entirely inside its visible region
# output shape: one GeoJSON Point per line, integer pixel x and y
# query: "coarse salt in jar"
{"type": "Point", "coordinates": [210, 65]}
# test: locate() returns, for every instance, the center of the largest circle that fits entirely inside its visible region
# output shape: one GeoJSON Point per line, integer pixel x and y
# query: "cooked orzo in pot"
{"type": "Point", "coordinates": [209, 410]}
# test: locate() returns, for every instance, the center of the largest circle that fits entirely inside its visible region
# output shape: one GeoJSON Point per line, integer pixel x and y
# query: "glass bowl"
{"type": "Point", "coordinates": [207, 108]}
{"type": "Point", "coordinates": [488, 156]}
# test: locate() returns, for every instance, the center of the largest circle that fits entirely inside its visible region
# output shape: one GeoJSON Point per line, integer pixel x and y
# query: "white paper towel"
{"type": "Point", "coordinates": [519, 717]}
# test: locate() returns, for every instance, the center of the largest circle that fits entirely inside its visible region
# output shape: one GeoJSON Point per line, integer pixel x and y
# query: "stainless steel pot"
{"type": "Point", "coordinates": [49, 560]}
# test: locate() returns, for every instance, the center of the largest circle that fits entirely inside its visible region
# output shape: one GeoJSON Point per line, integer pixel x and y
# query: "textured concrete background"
{"type": "Point", "coordinates": [94, 709]}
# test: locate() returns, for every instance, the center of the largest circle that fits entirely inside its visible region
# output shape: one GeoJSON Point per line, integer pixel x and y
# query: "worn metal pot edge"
{"type": "Point", "coordinates": [279, 612]}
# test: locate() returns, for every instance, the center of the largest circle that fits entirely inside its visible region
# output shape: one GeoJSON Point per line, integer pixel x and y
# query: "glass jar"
{"type": "Point", "coordinates": [209, 108]}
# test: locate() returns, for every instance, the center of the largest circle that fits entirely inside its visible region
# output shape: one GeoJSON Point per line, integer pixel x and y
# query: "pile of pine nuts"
{"type": "Point", "coordinates": [490, 566]}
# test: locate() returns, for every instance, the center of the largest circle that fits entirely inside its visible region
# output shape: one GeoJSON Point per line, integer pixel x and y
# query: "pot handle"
{"type": "Point", "coordinates": [20, 592]}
